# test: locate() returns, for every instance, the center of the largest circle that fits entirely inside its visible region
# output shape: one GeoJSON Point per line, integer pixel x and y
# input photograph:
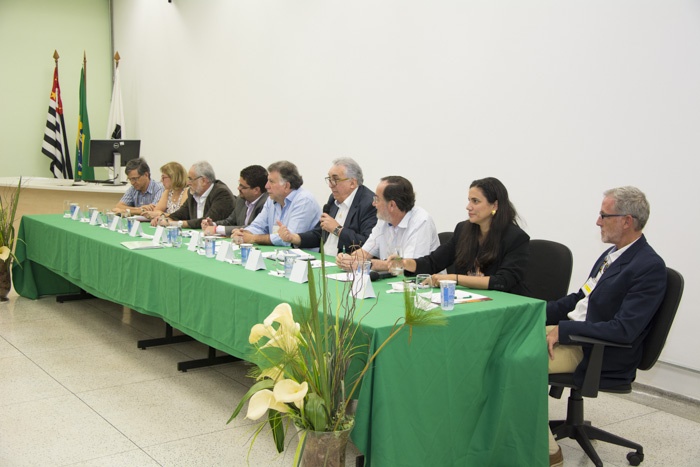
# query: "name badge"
{"type": "Point", "coordinates": [589, 286]}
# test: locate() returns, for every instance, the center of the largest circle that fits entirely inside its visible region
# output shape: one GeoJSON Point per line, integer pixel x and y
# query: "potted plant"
{"type": "Point", "coordinates": [301, 359]}
{"type": "Point", "coordinates": [8, 208]}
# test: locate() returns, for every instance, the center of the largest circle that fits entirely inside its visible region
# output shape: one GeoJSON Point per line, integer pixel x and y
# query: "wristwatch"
{"type": "Point", "coordinates": [337, 230]}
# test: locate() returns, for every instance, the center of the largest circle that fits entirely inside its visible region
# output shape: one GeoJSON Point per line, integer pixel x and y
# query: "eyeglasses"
{"type": "Point", "coordinates": [375, 199]}
{"type": "Point", "coordinates": [135, 179]}
{"type": "Point", "coordinates": [243, 187]}
{"type": "Point", "coordinates": [194, 179]}
{"type": "Point", "coordinates": [333, 181]}
{"type": "Point", "coordinates": [605, 216]}
{"type": "Point", "coordinates": [162, 177]}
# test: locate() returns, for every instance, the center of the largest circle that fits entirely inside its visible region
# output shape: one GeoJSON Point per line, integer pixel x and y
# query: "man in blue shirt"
{"type": "Point", "coordinates": [288, 204]}
{"type": "Point", "coordinates": [143, 190]}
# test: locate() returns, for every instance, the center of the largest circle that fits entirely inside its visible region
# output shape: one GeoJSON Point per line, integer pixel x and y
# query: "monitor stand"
{"type": "Point", "coordinates": [117, 168]}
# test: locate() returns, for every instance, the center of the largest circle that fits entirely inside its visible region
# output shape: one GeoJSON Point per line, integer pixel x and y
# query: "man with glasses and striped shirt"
{"type": "Point", "coordinates": [143, 191]}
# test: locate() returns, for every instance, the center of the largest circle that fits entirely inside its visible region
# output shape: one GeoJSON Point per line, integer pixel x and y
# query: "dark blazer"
{"type": "Point", "coordinates": [620, 309]}
{"type": "Point", "coordinates": [362, 217]}
{"type": "Point", "coordinates": [237, 218]}
{"type": "Point", "coordinates": [218, 205]}
{"type": "Point", "coordinates": [505, 274]}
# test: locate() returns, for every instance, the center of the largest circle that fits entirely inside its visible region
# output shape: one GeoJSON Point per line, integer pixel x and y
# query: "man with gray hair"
{"type": "Point", "coordinates": [208, 197]}
{"type": "Point", "coordinates": [617, 302]}
{"type": "Point", "coordinates": [348, 217]}
{"type": "Point", "coordinates": [288, 204]}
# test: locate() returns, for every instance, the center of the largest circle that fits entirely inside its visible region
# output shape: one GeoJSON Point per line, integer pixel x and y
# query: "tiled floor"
{"type": "Point", "coordinates": [75, 390]}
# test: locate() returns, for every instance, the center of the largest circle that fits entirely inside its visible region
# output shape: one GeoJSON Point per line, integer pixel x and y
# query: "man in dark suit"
{"type": "Point", "coordinates": [617, 302]}
{"type": "Point", "coordinates": [251, 199]}
{"type": "Point", "coordinates": [208, 197]}
{"type": "Point", "coordinates": [348, 217]}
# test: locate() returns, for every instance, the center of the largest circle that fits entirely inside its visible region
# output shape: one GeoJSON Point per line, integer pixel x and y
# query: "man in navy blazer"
{"type": "Point", "coordinates": [349, 216]}
{"type": "Point", "coordinates": [617, 302]}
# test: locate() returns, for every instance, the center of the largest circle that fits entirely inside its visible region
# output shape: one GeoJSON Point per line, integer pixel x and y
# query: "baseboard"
{"type": "Point", "coordinates": [672, 380]}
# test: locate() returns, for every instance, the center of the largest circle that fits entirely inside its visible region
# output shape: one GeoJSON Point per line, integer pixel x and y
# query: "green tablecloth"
{"type": "Point", "coordinates": [472, 393]}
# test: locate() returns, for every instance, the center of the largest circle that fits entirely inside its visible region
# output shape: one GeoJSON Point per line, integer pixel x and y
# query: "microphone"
{"type": "Point", "coordinates": [376, 276]}
{"type": "Point", "coordinates": [326, 208]}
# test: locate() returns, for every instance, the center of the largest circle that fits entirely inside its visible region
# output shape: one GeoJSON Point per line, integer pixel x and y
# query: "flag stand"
{"type": "Point", "coordinates": [116, 120]}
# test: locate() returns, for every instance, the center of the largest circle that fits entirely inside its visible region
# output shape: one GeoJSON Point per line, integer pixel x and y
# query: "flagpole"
{"type": "Point", "coordinates": [85, 67]}
{"type": "Point", "coordinates": [56, 56]}
{"type": "Point", "coordinates": [115, 118]}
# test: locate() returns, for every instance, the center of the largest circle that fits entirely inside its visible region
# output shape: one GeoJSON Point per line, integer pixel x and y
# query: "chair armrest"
{"type": "Point", "coordinates": [591, 380]}
{"type": "Point", "coordinates": [576, 339]}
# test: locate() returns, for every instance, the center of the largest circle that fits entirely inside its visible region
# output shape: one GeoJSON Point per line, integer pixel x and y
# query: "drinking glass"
{"type": "Point", "coordinates": [177, 239]}
{"type": "Point", "coordinates": [85, 213]}
{"type": "Point", "coordinates": [289, 260]}
{"type": "Point", "coordinates": [363, 268]}
{"type": "Point", "coordinates": [279, 261]}
{"type": "Point", "coordinates": [396, 264]}
{"type": "Point", "coordinates": [66, 208]}
{"type": "Point", "coordinates": [424, 291]}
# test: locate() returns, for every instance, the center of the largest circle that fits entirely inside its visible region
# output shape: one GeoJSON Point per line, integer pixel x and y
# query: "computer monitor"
{"type": "Point", "coordinates": [111, 152]}
{"type": "Point", "coordinates": [102, 151]}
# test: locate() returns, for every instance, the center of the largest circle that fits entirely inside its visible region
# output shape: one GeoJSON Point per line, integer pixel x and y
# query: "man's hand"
{"type": "Point", "coordinates": [208, 226]}
{"type": "Point", "coordinates": [552, 340]}
{"type": "Point", "coordinates": [346, 262]}
{"type": "Point", "coordinates": [287, 235]}
{"type": "Point", "coordinates": [284, 232]}
{"type": "Point", "coordinates": [328, 223]}
{"type": "Point", "coordinates": [242, 236]}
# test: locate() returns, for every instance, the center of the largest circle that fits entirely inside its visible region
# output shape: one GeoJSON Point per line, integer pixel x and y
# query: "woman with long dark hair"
{"type": "Point", "coordinates": [488, 251]}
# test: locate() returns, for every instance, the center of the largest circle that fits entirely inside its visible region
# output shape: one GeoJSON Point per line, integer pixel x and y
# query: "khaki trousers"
{"type": "Point", "coordinates": [566, 359]}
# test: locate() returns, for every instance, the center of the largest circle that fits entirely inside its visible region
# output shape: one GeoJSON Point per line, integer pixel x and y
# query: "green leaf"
{"type": "Point", "coordinates": [264, 384]}
{"type": "Point", "coordinates": [297, 454]}
{"type": "Point", "coordinates": [275, 419]}
{"type": "Point", "coordinates": [315, 409]}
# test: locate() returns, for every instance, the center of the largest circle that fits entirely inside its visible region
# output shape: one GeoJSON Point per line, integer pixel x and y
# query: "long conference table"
{"type": "Point", "coordinates": [472, 393]}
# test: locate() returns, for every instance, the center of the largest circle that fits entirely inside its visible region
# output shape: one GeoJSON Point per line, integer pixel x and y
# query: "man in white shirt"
{"type": "Point", "coordinates": [288, 204]}
{"type": "Point", "coordinates": [348, 217]}
{"type": "Point", "coordinates": [403, 229]}
{"type": "Point", "coordinates": [209, 197]}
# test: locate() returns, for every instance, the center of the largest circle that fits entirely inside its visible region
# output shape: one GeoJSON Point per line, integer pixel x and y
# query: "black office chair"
{"type": "Point", "coordinates": [574, 426]}
{"type": "Point", "coordinates": [549, 271]}
{"type": "Point", "coordinates": [444, 238]}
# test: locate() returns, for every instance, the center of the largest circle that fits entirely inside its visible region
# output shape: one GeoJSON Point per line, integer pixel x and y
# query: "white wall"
{"type": "Point", "coordinates": [30, 31]}
{"type": "Point", "coordinates": [560, 100]}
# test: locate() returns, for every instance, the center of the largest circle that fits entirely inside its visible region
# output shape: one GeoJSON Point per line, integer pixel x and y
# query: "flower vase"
{"type": "Point", "coordinates": [325, 448]}
{"type": "Point", "coordinates": [5, 279]}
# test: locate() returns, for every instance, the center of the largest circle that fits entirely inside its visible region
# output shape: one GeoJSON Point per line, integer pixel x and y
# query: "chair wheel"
{"type": "Point", "coordinates": [635, 458]}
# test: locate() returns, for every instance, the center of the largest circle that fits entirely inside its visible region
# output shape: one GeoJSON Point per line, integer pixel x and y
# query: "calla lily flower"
{"type": "Point", "coordinates": [259, 331]}
{"type": "Point", "coordinates": [261, 402]}
{"type": "Point", "coordinates": [282, 314]}
{"type": "Point", "coordinates": [4, 253]}
{"type": "Point", "coordinates": [289, 391]}
{"type": "Point", "coordinates": [285, 341]}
